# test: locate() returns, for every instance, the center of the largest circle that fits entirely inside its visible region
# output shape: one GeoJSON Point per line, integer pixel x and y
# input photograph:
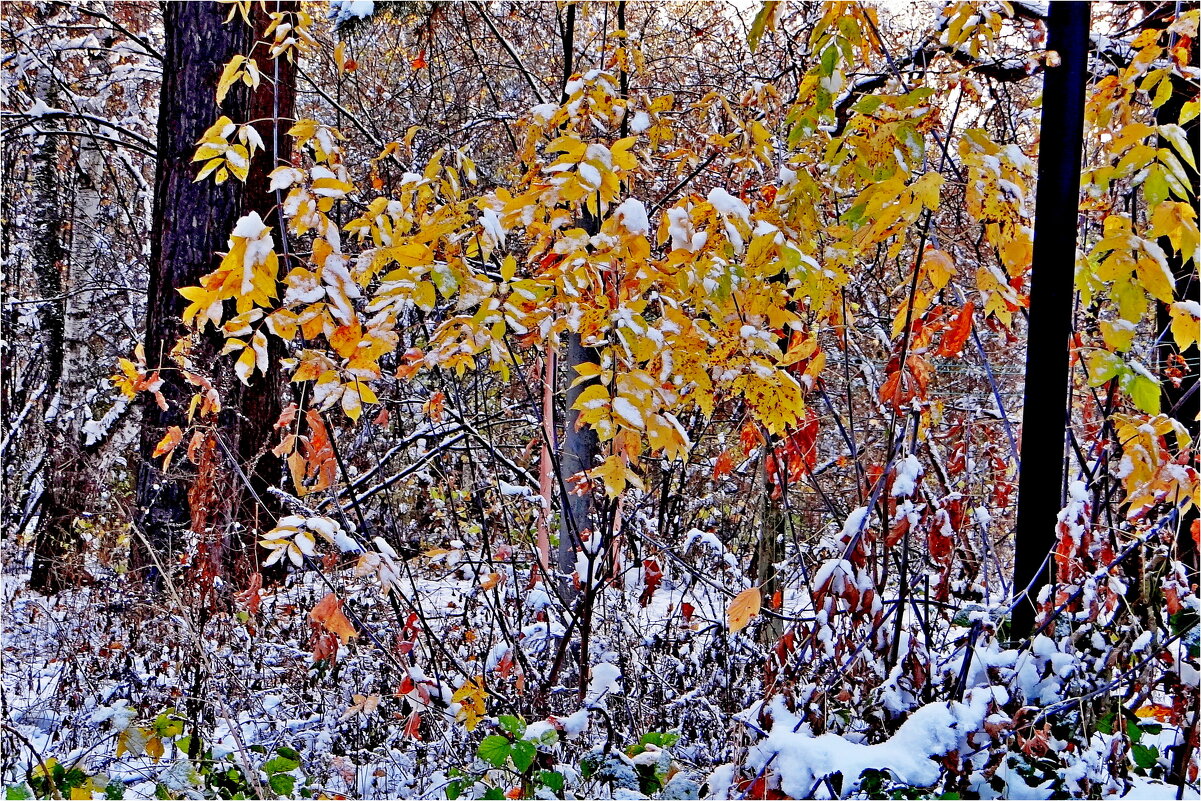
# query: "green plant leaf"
{"type": "Point", "coordinates": [280, 764]}
{"type": "Point", "coordinates": [1145, 756]}
{"type": "Point", "coordinates": [522, 754]}
{"type": "Point", "coordinates": [553, 780]}
{"type": "Point", "coordinates": [283, 784]}
{"type": "Point", "coordinates": [512, 725]}
{"type": "Point", "coordinates": [764, 21]}
{"type": "Point", "coordinates": [494, 750]}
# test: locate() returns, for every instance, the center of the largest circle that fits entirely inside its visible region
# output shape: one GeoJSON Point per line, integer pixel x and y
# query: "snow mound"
{"type": "Point", "coordinates": [801, 760]}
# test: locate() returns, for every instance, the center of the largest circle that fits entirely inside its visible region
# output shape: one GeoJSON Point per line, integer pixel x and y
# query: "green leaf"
{"type": "Point", "coordinates": [512, 725]}
{"type": "Point", "coordinates": [829, 60]}
{"type": "Point", "coordinates": [764, 20]}
{"type": "Point", "coordinates": [21, 791]}
{"type": "Point", "coordinates": [663, 739]}
{"type": "Point", "coordinates": [1133, 731]}
{"type": "Point", "coordinates": [494, 750]}
{"type": "Point", "coordinates": [454, 789]}
{"type": "Point", "coordinates": [288, 753]}
{"type": "Point", "coordinates": [1105, 723]}
{"type": "Point", "coordinates": [494, 792]}
{"type": "Point", "coordinates": [280, 764]}
{"type": "Point", "coordinates": [523, 754]}
{"type": "Point", "coordinates": [868, 104]}
{"type": "Point", "coordinates": [552, 779]}
{"type": "Point", "coordinates": [1144, 392]}
{"type": "Point", "coordinates": [283, 784]}
{"type": "Point", "coordinates": [1145, 756]}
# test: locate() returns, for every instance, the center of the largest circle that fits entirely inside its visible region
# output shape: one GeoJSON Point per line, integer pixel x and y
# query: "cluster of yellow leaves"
{"type": "Point", "coordinates": [1127, 272]}
{"type": "Point", "coordinates": [239, 68]}
{"type": "Point", "coordinates": [472, 701]}
{"type": "Point", "coordinates": [223, 158]}
{"type": "Point", "coordinates": [1150, 472]}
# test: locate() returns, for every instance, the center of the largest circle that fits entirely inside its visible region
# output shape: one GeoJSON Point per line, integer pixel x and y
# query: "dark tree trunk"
{"type": "Point", "coordinates": [192, 222]}
{"type": "Point", "coordinates": [579, 451]}
{"type": "Point", "coordinates": [1046, 411]}
{"type": "Point", "coordinates": [261, 403]}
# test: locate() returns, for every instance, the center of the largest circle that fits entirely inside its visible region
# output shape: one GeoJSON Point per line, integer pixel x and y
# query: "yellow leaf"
{"type": "Point", "coordinates": [615, 474]}
{"type": "Point", "coordinates": [229, 76]}
{"type": "Point", "coordinates": [1185, 322]}
{"type": "Point", "coordinates": [745, 606]}
{"type": "Point", "coordinates": [244, 367]}
{"type": "Point", "coordinates": [167, 444]}
{"type": "Point", "coordinates": [926, 189]}
{"type": "Point", "coordinates": [471, 699]}
{"type": "Point", "coordinates": [939, 267]}
{"type": "Point", "coordinates": [154, 747]}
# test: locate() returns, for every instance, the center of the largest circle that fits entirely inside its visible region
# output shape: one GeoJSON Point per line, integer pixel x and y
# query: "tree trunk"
{"type": "Point", "coordinates": [261, 403]}
{"type": "Point", "coordinates": [1046, 411]}
{"type": "Point", "coordinates": [580, 447]}
{"type": "Point", "coordinates": [769, 545]}
{"type": "Point", "coordinates": [192, 221]}
{"type": "Point", "coordinates": [55, 541]}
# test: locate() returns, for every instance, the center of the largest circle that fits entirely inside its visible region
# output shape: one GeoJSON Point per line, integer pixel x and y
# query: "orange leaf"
{"type": "Point", "coordinates": [194, 446]}
{"type": "Point", "coordinates": [745, 606]}
{"type": "Point", "coordinates": [434, 406]}
{"type": "Point", "coordinates": [956, 336]}
{"type": "Point", "coordinates": [723, 467]}
{"type": "Point", "coordinates": [413, 726]}
{"type": "Point", "coordinates": [419, 63]}
{"type": "Point", "coordinates": [329, 614]}
{"type": "Point", "coordinates": [287, 416]}
{"type": "Point", "coordinates": [167, 444]}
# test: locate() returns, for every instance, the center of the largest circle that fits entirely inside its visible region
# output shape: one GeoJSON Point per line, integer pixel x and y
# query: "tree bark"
{"type": "Point", "coordinates": [260, 403]}
{"type": "Point", "coordinates": [55, 540]}
{"type": "Point", "coordinates": [1046, 413]}
{"type": "Point", "coordinates": [192, 221]}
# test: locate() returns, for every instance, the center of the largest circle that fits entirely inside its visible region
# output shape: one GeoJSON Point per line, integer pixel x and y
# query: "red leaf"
{"type": "Point", "coordinates": [652, 575]}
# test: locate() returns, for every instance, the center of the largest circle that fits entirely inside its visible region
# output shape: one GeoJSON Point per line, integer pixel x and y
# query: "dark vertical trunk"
{"type": "Point", "coordinates": [1046, 411]}
{"type": "Point", "coordinates": [580, 447]}
{"type": "Point", "coordinates": [192, 221]}
{"type": "Point", "coordinates": [273, 105]}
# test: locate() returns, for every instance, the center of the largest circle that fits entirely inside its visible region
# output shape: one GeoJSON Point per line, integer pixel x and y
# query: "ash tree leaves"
{"type": "Point", "coordinates": [736, 278]}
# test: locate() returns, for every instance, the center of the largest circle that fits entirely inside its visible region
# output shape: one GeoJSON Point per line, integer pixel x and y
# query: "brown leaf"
{"type": "Point", "coordinates": [329, 614]}
{"type": "Point", "coordinates": [745, 606]}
